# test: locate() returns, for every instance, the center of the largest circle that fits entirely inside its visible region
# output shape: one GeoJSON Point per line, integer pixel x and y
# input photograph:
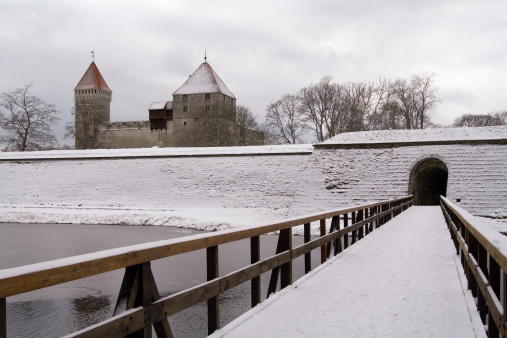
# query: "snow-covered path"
{"type": "Point", "coordinates": [403, 280]}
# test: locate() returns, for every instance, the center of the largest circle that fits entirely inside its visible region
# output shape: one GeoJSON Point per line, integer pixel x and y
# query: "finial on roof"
{"type": "Point", "coordinates": [93, 54]}
{"type": "Point", "coordinates": [205, 58]}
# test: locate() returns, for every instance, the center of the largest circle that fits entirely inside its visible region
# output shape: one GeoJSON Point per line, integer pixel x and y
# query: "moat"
{"type": "Point", "coordinates": [63, 309]}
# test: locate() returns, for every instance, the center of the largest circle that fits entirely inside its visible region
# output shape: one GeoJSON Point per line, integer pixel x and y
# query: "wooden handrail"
{"type": "Point", "coordinates": [145, 307]}
{"type": "Point", "coordinates": [483, 263]}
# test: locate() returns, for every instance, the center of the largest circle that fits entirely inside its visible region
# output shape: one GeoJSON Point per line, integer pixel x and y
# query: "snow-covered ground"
{"type": "Point", "coordinates": [403, 280]}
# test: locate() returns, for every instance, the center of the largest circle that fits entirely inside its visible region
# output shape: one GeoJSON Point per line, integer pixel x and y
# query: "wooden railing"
{"type": "Point", "coordinates": [139, 305]}
{"type": "Point", "coordinates": [484, 264]}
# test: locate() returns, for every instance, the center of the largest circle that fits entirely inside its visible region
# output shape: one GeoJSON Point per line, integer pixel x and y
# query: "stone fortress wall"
{"type": "Point", "coordinates": [135, 134]}
{"type": "Point", "coordinates": [290, 180]}
{"type": "Point", "coordinates": [340, 176]}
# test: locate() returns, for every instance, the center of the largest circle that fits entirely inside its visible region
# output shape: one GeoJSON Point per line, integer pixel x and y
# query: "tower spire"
{"type": "Point", "coordinates": [205, 58]}
{"type": "Point", "coordinates": [93, 54]}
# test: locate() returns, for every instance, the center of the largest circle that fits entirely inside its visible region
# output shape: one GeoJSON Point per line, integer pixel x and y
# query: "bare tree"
{"type": "Point", "coordinates": [481, 120]}
{"type": "Point", "coordinates": [26, 121]}
{"type": "Point", "coordinates": [283, 117]}
{"type": "Point", "coordinates": [247, 128]}
{"type": "Point", "coordinates": [380, 115]}
{"type": "Point", "coordinates": [415, 99]}
{"type": "Point", "coordinates": [404, 100]}
{"type": "Point", "coordinates": [358, 105]}
{"type": "Point", "coordinates": [426, 96]}
{"type": "Point", "coordinates": [322, 108]}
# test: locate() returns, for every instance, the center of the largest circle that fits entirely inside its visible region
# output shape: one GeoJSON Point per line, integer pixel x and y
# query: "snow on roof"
{"type": "Point", "coordinates": [420, 135]}
{"type": "Point", "coordinates": [204, 80]}
{"type": "Point", "coordinates": [161, 105]}
{"type": "Point", "coordinates": [92, 79]}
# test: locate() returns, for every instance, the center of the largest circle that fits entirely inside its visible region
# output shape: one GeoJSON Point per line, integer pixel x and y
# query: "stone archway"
{"type": "Point", "coordinates": [428, 180]}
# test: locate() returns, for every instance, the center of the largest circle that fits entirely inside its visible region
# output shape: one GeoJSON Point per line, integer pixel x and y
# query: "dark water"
{"type": "Point", "coordinates": [66, 308]}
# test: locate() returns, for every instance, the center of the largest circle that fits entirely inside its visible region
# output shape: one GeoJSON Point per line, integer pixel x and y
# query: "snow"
{"type": "Point", "coordinates": [204, 80]}
{"type": "Point", "coordinates": [158, 152]}
{"type": "Point", "coordinates": [420, 135]}
{"type": "Point", "coordinates": [489, 228]}
{"type": "Point", "coordinates": [403, 280]}
{"type": "Point", "coordinates": [200, 188]}
{"type": "Point", "coordinates": [158, 105]}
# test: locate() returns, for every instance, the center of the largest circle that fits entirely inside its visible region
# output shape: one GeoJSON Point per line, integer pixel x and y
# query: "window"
{"type": "Point", "coordinates": [207, 96]}
{"type": "Point", "coordinates": [207, 107]}
{"type": "Point", "coordinates": [185, 97]}
{"type": "Point", "coordinates": [185, 108]}
{"type": "Point", "coordinates": [184, 123]}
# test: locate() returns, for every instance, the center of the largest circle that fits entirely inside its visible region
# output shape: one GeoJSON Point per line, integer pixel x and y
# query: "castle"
{"type": "Point", "coordinates": [200, 107]}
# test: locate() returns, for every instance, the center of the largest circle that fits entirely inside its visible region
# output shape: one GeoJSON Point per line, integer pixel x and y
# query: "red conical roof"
{"type": "Point", "coordinates": [92, 79]}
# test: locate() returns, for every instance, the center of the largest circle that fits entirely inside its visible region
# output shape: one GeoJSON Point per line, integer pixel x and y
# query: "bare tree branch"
{"type": "Point", "coordinates": [26, 121]}
{"type": "Point", "coordinates": [284, 119]}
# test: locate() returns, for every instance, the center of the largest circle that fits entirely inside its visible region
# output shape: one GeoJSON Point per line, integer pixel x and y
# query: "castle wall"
{"type": "Point", "coordinates": [291, 183]}
{"type": "Point", "coordinates": [345, 176]}
{"type": "Point", "coordinates": [221, 178]}
{"type": "Point", "coordinates": [135, 134]}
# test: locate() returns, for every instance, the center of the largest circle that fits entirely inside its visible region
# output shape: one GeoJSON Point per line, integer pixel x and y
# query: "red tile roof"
{"type": "Point", "coordinates": [92, 79]}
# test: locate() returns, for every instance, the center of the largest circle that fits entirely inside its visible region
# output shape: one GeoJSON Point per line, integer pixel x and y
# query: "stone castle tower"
{"type": "Point", "coordinates": [198, 105]}
{"type": "Point", "coordinates": [202, 113]}
{"type": "Point", "coordinates": [92, 98]}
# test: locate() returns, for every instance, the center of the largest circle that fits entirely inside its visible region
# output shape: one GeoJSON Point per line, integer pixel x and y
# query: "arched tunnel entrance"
{"type": "Point", "coordinates": [428, 180]}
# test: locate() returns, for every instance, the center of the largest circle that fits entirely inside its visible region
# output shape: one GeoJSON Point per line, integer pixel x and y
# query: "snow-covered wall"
{"type": "Point", "coordinates": [361, 167]}
{"type": "Point", "coordinates": [199, 179]}
{"type": "Point", "coordinates": [241, 185]}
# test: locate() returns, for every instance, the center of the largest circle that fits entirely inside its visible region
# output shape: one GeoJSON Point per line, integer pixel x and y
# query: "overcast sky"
{"type": "Point", "coordinates": [261, 49]}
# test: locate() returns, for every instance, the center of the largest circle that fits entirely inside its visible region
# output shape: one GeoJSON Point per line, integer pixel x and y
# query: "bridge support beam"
{"type": "Point", "coordinates": [138, 288]}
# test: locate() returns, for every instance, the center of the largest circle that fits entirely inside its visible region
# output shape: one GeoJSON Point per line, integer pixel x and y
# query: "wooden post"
{"type": "Point", "coordinates": [370, 214]}
{"type": "Point", "coordinates": [255, 256]}
{"type": "Point", "coordinates": [354, 232]}
{"type": "Point", "coordinates": [286, 268]}
{"type": "Point", "coordinates": [359, 218]}
{"type": "Point", "coordinates": [346, 236]}
{"type": "Point", "coordinates": [334, 226]}
{"type": "Point", "coordinates": [494, 280]}
{"type": "Point", "coordinates": [338, 241]}
{"type": "Point", "coordinates": [481, 299]}
{"type": "Point", "coordinates": [145, 294]}
{"type": "Point", "coordinates": [504, 301]}
{"type": "Point", "coordinates": [474, 251]}
{"type": "Point", "coordinates": [323, 255]}
{"type": "Point", "coordinates": [308, 255]}
{"type": "Point", "coordinates": [3, 317]}
{"type": "Point", "coordinates": [212, 273]}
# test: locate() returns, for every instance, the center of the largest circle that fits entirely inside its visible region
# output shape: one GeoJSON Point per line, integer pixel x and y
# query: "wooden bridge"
{"type": "Point", "coordinates": [139, 306]}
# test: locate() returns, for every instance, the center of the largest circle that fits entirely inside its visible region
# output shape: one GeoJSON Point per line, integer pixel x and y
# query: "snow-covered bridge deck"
{"type": "Point", "coordinates": [403, 280]}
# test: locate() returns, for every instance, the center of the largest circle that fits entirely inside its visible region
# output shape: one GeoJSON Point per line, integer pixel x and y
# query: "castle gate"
{"type": "Point", "coordinates": [428, 180]}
